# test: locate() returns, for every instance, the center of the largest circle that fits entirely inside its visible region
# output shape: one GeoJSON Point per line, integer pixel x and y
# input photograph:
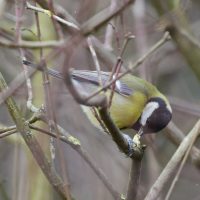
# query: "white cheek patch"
{"type": "Point", "coordinates": [147, 112]}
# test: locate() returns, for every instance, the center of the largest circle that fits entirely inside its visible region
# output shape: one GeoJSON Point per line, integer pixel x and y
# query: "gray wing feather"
{"type": "Point", "coordinates": [92, 77]}
{"type": "Point", "coordinates": [88, 77]}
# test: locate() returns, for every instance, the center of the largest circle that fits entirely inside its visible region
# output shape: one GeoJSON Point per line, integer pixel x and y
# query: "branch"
{"type": "Point", "coordinates": [93, 23]}
{"type": "Point", "coordinates": [95, 59]}
{"type": "Point", "coordinates": [65, 137]}
{"type": "Point", "coordinates": [50, 14]}
{"type": "Point", "coordinates": [103, 17]}
{"type": "Point", "coordinates": [76, 145]}
{"type": "Point", "coordinates": [14, 85]}
{"type": "Point", "coordinates": [185, 106]}
{"type": "Point", "coordinates": [177, 136]}
{"type": "Point", "coordinates": [104, 54]}
{"type": "Point", "coordinates": [32, 143]}
{"type": "Point", "coordinates": [123, 143]}
{"type": "Point", "coordinates": [126, 145]}
{"type": "Point", "coordinates": [134, 180]}
{"type": "Point", "coordinates": [7, 133]}
{"type": "Point", "coordinates": [31, 45]}
{"type": "Point", "coordinates": [186, 42]}
{"type": "Point", "coordinates": [162, 41]}
{"type": "Point", "coordinates": [179, 170]}
{"type": "Point", "coordinates": [168, 171]}
{"type": "Point", "coordinates": [109, 29]}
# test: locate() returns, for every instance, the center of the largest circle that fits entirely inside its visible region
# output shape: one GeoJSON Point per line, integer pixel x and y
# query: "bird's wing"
{"type": "Point", "coordinates": [52, 72]}
{"type": "Point", "coordinates": [91, 77]}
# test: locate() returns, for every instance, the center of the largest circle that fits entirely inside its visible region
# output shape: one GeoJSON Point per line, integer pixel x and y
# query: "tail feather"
{"type": "Point", "coordinates": [51, 72]}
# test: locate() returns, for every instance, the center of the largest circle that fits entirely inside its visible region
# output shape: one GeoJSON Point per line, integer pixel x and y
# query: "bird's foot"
{"type": "Point", "coordinates": [135, 148]}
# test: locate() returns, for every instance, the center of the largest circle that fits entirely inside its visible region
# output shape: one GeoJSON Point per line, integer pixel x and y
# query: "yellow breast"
{"type": "Point", "coordinates": [124, 111]}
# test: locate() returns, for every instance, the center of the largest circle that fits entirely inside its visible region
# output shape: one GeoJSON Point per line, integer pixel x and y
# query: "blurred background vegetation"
{"type": "Point", "coordinates": [174, 69]}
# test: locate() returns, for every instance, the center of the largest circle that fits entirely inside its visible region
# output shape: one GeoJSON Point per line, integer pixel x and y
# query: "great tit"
{"type": "Point", "coordinates": [136, 103]}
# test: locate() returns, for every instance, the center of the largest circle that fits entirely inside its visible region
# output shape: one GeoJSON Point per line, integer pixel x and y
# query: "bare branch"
{"type": "Point", "coordinates": [95, 59]}
{"type": "Point", "coordinates": [185, 106]}
{"type": "Point", "coordinates": [104, 16]}
{"type": "Point", "coordinates": [75, 144]}
{"type": "Point", "coordinates": [134, 180]}
{"type": "Point", "coordinates": [7, 133]}
{"type": "Point", "coordinates": [162, 41]}
{"type": "Point", "coordinates": [123, 143]}
{"type": "Point", "coordinates": [179, 170]}
{"type": "Point", "coordinates": [109, 29]}
{"type": "Point", "coordinates": [177, 136]}
{"type": "Point", "coordinates": [50, 14]}
{"type": "Point", "coordinates": [32, 143]}
{"type": "Point", "coordinates": [168, 171]}
{"type": "Point", "coordinates": [31, 45]}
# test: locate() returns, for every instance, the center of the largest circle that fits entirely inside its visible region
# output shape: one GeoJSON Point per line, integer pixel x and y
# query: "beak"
{"type": "Point", "coordinates": [136, 138]}
{"type": "Point", "coordinates": [140, 132]}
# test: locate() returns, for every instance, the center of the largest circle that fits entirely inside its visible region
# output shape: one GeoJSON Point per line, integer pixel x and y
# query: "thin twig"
{"type": "Point", "coordinates": [93, 23]}
{"type": "Point", "coordinates": [115, 72]}
{"type": "Point", "coordinates": [20, 79]}
{"type": "Point", "coordinates": [162, 41]}
{"type": "Point", "coordinates": [75, 144]}
{"type": "Point", "coordinates": [50, 14]}
{"type": "Point", "coordinates": [128, 37]}
{"type": "Point", "coordinates": [59, 10]}
{"type": "Point", "coordinates": [179, 170]}
{"type": "Point", "coordinates": [96, 115]}
{"type": "Point", "coordinates": [104, 16]}
{"type": "Point", "coordinates": [65, 137]}
{"type": "Point", "coordinates": [177, 136]}
{"type": "Point", "coordinates": [95, 59]}
{"type": "Point", "coordinates": [185, 44]}
{"type": "Point", "coordinates": [109, 29]}
{"type": "Point", "coordinates": [140, 28]}
{"type": "Point", "coordinates": [4, 129]}
{"type": "Point", "coordinates": [168, 171]}
{"type": "Point", "coordinates": [117, 68]}
{"type": "Point", "coordinates": [57, 25]}
{"type": "Point", "coordinates": [7, 133]}
{"type": "Point", "coordinates": [185, 106]}
{"type": "Point", "coordinates": [31, 44]}
{"type": "Point", "coordinates": [105, 55]}
{"type": "Point", "coordinates": [32, 143]}
{"type": "Point", "coordinates": [50, 111]}
{"type": "Point", "coordinates": [190, 37]}
{"type": "Point", "coordinates": [19, 11]}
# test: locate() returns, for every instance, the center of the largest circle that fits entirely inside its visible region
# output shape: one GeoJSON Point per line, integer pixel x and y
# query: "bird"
{"type": "Point", "coordinates": [136, 103]}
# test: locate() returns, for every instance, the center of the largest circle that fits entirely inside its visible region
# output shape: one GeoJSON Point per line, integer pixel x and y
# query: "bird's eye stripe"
{"type": "Point", "coordinates": [147, 112]}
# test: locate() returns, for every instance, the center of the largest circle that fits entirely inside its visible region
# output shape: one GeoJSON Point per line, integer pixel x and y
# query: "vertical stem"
{"type": "Point", "coordinates": [134, 180]}
{"type": "Point", "coordinates": [32, 143]}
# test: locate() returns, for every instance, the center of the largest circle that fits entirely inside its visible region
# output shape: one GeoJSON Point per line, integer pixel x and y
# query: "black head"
{"type": "Point", "coordinates": [156, 115]}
